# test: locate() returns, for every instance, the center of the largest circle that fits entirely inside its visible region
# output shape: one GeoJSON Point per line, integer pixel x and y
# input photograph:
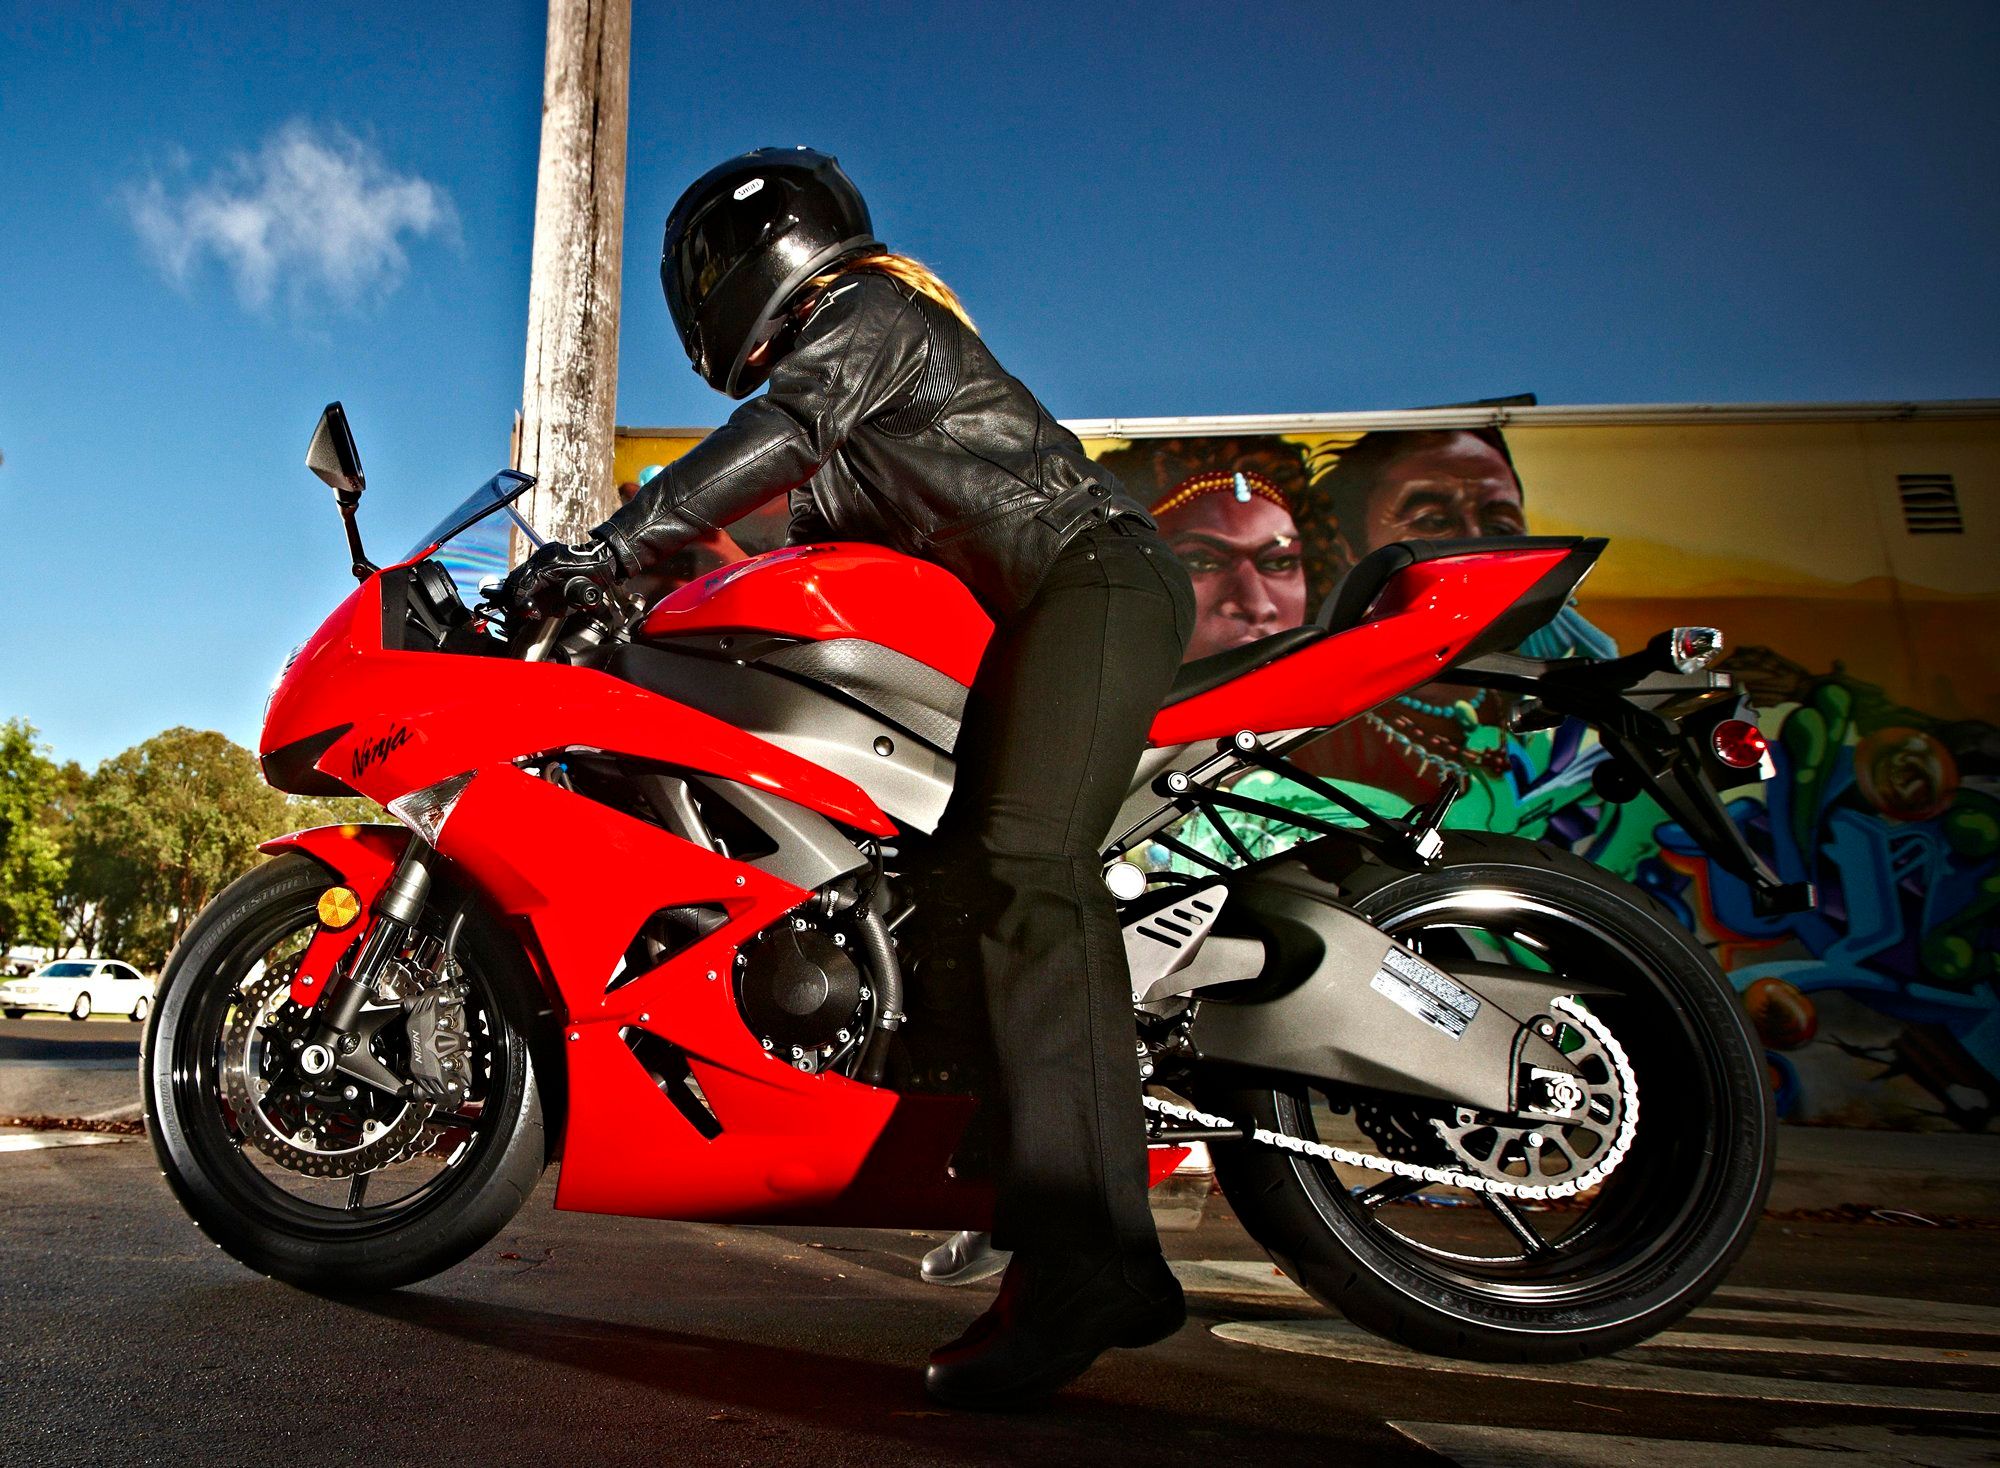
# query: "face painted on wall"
{"type": "Point", "coordinates": [1243, 557]}
{"type": "Point", "coordinates": [1451, 486]}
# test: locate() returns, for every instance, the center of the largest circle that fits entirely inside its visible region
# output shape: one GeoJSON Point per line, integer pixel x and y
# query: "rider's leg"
{"type": "Point", "coordinates": [1055, 722]}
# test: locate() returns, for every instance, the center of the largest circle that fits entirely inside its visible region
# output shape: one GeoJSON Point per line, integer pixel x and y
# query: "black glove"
{"type": "Point", "coordinates": [534, 589]}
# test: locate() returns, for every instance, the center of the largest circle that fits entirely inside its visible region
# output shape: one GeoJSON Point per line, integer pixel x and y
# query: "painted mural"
{"type": "Point", "coordinates": [1872, 651]}
{"type": "Point", "coordinates": [1879, 1007]}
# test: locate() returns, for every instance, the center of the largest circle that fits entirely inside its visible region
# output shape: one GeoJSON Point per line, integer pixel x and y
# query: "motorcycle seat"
{"type": "Point", "coordinates": [1212, 672]}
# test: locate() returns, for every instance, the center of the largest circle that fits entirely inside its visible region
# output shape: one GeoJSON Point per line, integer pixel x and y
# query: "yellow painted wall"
{"type": "Point", "coordinates": [1786, 535]}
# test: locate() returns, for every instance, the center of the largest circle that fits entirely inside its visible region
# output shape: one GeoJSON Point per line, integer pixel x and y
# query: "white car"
{"type": "Point", "coordinates": [79, 987]}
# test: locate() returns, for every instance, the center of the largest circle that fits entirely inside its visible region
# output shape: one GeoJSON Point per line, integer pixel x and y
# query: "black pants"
{"type": "Point", "coordinates": [1054, 725]}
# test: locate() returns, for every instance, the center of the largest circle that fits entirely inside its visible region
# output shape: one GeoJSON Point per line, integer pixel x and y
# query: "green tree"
{"type": "Point", "coordinates": [161, 829]}
{"type": "Point", "coordinates": [31, 863]}
{"type": "Point", "coordinates": [79, 918]}
{"type": "Point", "coordinates": [304, 811]}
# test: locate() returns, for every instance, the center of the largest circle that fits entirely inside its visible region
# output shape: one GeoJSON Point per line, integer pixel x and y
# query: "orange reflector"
{"type": "Point", "coordinates": [338, 906]}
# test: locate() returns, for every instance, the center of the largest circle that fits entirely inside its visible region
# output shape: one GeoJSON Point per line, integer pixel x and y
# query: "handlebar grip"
{"type": "Point", "coordinates": [581, 593]}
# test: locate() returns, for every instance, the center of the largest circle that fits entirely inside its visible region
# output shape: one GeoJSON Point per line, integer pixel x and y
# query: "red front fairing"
{"type": "Point", "coordinates": [414, 718]}
{"type": "Point", "coordinates": [576, 880]}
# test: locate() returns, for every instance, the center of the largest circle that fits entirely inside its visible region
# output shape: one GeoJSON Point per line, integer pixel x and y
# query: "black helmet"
{"type": "Point", "coordinates": [740, 244]}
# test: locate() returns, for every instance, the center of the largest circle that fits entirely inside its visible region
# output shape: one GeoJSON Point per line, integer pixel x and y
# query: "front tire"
{"type": "Point", "coordinates": [80, 1009]}
{"type": "Point", "coordinates": [141, 1009]}
{"type": "Point", "coordinates": [298, 1228]}
{"type": "Point", "coordinates": [1620, 1262]}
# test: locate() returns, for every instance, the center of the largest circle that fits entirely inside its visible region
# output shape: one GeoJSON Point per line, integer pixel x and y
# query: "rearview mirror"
{"type": "Point", "coordinates": [333, 456]}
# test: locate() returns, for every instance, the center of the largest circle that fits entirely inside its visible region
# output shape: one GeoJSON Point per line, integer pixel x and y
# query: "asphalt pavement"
{"type": "Point", "coordinates": [573, 1338]}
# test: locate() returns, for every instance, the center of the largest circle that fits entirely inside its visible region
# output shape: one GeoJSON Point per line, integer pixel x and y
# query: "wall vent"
{"type": "Point", "coordinates": [1930, 504]}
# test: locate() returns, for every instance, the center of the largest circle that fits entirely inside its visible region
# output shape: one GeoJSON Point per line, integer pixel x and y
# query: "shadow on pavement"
{"type": "Point", "coordinates": [59, 1046]}
{"type": "Point", "coordinates": [757, 1389]}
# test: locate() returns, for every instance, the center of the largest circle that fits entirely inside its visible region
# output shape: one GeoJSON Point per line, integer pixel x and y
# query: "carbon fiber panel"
{"type": "Point", "coordinates": [899, 688]}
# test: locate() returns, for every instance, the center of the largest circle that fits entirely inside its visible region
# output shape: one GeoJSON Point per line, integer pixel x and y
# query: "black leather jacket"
{"type": "Point", "coordinates": [889, 422]}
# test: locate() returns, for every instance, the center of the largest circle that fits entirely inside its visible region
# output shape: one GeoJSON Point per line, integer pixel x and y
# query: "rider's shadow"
{"type": "Point", "coordinates": [747, 1400]}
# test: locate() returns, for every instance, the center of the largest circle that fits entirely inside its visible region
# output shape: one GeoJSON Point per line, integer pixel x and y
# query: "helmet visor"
{"type": "Point", "coordinates": [721, 234]}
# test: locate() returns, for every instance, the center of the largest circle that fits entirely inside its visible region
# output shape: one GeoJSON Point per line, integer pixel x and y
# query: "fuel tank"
{"type": "Point", "coordinates": [840, 590]}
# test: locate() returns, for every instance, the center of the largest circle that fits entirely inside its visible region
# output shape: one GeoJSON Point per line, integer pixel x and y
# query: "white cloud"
{"type": "Point", "coordinates": [312, 213]}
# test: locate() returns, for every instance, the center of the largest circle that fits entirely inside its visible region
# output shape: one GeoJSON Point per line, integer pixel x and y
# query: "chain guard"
{"type": "Point", "coordinates": [1602, 1163]}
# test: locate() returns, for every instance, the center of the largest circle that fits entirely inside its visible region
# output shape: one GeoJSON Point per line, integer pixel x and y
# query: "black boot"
{"type": "Point", "coordinates": [1055, 1315]}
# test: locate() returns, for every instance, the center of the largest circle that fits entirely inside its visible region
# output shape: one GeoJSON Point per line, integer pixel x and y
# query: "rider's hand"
{"type": "Point", "coordinates": [534, 589]}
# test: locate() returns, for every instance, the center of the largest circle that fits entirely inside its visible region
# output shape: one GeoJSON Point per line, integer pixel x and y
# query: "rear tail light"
{"type": "Point", "coordinates": [1739, 744]}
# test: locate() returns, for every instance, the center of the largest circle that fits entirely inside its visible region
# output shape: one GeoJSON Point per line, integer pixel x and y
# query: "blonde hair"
{"type": "Point", "coordinates": [912, 273]}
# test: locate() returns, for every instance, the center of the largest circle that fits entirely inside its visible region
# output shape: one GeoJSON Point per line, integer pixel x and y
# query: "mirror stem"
{"type": "Point", "coordinates": [363, 567]}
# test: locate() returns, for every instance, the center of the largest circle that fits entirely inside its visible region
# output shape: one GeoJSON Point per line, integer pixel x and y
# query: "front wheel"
{"type": "Point", "coordinates": [141, 1009]}
{"type": "Point", "coordinates": [333, 1184]}
{"type": "Point", "coordinates": [1499, 1277]}
{"type": "Point", "coordinates": [80, 1009]}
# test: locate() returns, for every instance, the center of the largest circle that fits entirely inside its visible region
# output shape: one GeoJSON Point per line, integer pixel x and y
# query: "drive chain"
{"type": "Point", "coordinates": [1447, 1176]}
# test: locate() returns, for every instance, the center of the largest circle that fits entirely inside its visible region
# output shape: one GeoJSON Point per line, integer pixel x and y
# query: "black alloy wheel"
{"type": "Point", "coordinates": [341, 1188]}
{"type": "Point", "coordinates": [1469, 1273]}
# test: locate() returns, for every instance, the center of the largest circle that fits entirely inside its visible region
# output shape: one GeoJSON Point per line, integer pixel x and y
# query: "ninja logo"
{"type": "Point", "coordinates": [374, 751]}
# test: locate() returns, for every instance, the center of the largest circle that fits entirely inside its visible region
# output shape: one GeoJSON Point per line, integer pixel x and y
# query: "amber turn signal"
{"type": "Point", "coordinates": [338, 906]}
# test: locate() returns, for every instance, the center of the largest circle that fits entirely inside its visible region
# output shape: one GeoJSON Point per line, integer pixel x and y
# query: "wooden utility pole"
{"type": "Point", "coordinates": [569, 394]}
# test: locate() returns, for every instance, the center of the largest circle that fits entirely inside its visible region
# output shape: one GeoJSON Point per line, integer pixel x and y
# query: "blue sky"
{"type": "Point", "coordinates": [1151, 209]}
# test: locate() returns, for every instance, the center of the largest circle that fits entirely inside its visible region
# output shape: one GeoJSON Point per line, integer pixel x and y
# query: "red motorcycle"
{"type": "Point", "coordinates": [651, 909]}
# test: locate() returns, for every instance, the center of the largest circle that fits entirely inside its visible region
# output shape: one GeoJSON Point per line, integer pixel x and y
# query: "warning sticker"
{"type": "Point", "coordinates": [1428, 993]}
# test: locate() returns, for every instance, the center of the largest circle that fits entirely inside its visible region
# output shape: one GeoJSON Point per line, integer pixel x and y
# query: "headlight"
{"type": "Point", "coordinates": [290, 658]}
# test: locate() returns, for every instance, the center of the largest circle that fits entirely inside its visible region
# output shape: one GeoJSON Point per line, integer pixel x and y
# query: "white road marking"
{"type": "Point", "coordinates": [32, 1141]}
{"type": "Point", "coordinates": [1235, 1277]}
{"type": "Point", "coordinates": [1260, 1278]}
{"type": "Point", "coordinates": [1339, 1341]}
{"type": "Point", "coordinates": [1771, 1345]}
{"type": "Point", "coordinates": [1844, 1447]}
{"type": "Point", "coordinates": [1811, 1307]}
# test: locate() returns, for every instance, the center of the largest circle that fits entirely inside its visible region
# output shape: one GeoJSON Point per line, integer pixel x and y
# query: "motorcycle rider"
{"type": "Point", "coordinates": [886, 419]}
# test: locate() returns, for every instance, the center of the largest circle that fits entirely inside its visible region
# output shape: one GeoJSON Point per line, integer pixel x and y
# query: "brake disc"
{"type": "Point", "coordinates": [309, 1137]}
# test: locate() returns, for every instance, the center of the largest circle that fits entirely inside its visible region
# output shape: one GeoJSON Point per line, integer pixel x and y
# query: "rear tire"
{"type": "Point", "coordinates": [239, 1207]}
{"type": "Point", "coordinates": [1677, 1213]}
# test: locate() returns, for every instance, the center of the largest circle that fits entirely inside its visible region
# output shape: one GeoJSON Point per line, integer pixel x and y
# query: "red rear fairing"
{"type": "Point", "coordinates": [1426, 618]}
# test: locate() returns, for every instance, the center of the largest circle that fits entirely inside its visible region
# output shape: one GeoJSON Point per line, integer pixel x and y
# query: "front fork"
{"type": "Point", "coordinates": [335, 1041]}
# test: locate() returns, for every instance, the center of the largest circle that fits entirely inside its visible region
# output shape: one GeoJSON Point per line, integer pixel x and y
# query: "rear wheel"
{"type": "Point", "coordinates": [335, 1185]}
{"type": "Point", "coordinates": [1499, 1278]}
